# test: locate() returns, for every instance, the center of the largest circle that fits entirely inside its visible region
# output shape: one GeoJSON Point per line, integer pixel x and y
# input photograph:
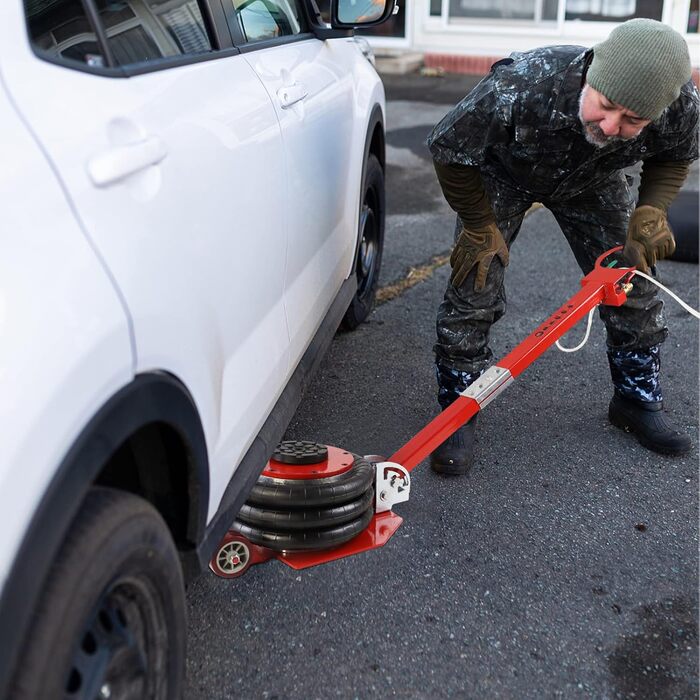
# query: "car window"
{"type": "Point", "coordinates": [137, 31]}
{"type": "Point", "coordinates": [324, 7]}
{"type": "Point", "coordinates": [267, 19]}
{"type": "Point", "coordinates": [145, 30]}
{"type": "Point", "coordinates": [60, 29]}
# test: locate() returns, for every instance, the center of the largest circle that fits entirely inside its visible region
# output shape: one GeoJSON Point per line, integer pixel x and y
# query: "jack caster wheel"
{"type": "Point", "coordinates": [232, 558]}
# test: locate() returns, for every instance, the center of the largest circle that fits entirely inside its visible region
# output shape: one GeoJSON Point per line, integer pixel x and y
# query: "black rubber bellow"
{"type": "Point", "coordinates": [304, 493]}
{"type": "Point", "coordinates": [305, 518]}
{"type": "Point", "coordinates": [306, 540]}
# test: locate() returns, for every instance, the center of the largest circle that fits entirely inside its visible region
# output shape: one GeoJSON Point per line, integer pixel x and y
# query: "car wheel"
{"type": "Point", "coordinates": [371, 238]}
{"type": "Point", "coordinates": [111, 619]}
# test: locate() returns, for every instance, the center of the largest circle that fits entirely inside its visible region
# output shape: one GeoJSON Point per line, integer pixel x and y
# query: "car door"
{"type": "Point", "coordinates": [171, 155]}
{"type": "Point", "coordinates": [311, 86]}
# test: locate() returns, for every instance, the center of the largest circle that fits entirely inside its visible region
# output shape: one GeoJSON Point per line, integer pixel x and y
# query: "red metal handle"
{"type": "Point", "coordinates": [603, 285]}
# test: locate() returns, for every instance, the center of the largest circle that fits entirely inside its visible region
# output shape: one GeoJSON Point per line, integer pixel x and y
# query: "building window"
{"type": "Point", "coordinates": [612, 10]}
{"type": "Point", "coordinates": [547, 10]}
{"type": "Point", "coordinates": [504, 9]}
{"type": "Point", "coordinates": [435, 8]}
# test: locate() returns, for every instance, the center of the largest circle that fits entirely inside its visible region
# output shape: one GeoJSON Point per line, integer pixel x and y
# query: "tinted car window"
{"type": "Point", "coordinates": [137, 30]}
{"type": "Point", "coordinates": [146, 30]}
{"type": "Point", "coordinates": [60, 29]}
{"type": "Point", "coordinates": [267, 19]}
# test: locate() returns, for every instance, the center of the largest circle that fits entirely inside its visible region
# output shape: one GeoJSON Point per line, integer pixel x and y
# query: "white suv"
{"type": "Point", "coordinates": [192, 201]}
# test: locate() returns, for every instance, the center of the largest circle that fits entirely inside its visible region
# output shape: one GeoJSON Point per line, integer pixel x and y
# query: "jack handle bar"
{"type": "Point", "coordinates": [607, 285]}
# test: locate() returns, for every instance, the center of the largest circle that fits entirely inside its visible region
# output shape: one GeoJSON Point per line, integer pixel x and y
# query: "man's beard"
{"type": "Point", "coordinates": [591, 131]}
{"type": "Point", "coordinates": [595, 136]}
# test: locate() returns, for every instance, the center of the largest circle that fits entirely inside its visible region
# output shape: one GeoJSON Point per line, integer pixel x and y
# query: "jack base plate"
{"type": "Point", "coordinates": [376, 534]}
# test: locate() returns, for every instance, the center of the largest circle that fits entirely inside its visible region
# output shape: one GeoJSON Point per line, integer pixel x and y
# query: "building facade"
{"type": "Point", "coordinates": [468, 35]}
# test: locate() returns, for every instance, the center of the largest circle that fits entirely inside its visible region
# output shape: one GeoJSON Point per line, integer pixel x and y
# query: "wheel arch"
{"type": "Point", "coordinates": [374, 144]}
{"type": "Point", "coordinates": [375, 141]}
{"type": "Point", "coordinates": [119, 435]}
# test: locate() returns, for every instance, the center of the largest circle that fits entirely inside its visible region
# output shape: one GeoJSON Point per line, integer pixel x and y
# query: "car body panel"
{"type": "Point", "coordinates": [221, 267]}
{"type": "Point", "coordinates": [324, 138]}
{"type": "Point", "coordinates": [65, 343]}
{"type": "Point", "coordinates": [182, 237]}
{"type": "Point", "coordinates": [317, 136]}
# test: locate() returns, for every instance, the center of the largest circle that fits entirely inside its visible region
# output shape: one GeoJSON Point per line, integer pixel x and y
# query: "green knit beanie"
{"type": "Point", "coordinates": [641, 66]}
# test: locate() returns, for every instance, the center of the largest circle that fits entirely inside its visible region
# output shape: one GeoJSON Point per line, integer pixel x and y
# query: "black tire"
{"type": "Point", "coordinates": [295, 493]}
{"type": "Point", "coordinates": [307, 540]}
{"type": "Point", "coordinates": [112, 612]}
{"type": "Point", "coordinates": [371, 238]}
{"type": "Point", "coordinates": [305, 518]}
{"type": "Point", "coordinates": [683, 218]}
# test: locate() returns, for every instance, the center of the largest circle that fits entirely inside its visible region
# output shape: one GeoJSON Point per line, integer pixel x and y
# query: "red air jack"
{"type": "Point", "coordinates": [603, 285]}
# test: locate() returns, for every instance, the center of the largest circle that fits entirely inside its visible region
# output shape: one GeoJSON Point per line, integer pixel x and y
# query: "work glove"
{"type": "Point", "coordinates": [649, 238]}
{"type": "Point", "coordinates": [477, 247]}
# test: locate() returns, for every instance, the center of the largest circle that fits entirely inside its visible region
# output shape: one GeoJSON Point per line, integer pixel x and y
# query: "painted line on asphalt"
{"type": "Point", "coordinates": [420, 273]}
{"type": "Point", "coordinates": [415, 275]}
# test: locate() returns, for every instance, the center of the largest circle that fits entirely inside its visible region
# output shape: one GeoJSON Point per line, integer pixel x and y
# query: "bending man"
{"type": "Point", "coordinates": [558, 125]}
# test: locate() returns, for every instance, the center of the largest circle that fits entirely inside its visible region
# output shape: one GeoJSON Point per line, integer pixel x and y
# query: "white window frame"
{"type": "Point", "coordinates": [674, 13]}
{"type": "Point", "coordinates": [500, 37]}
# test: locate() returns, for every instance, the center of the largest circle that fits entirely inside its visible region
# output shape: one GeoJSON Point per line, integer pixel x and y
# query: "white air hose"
{"type": "Point", "coordinates": [687, 307]}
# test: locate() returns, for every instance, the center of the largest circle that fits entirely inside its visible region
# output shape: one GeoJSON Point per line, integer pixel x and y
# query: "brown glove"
{"type": "Point", "coordinates": [477, 247]}
{"type": "Point", "coordinates": [649, 238]}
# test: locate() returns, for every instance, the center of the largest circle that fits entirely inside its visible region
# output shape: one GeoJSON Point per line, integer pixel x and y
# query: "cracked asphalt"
{"type": "Point", "coordinates": [565, 565]}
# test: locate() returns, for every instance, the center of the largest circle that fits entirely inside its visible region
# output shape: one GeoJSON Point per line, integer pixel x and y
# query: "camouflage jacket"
{"type": "Point", "coordinates": [521, 124]}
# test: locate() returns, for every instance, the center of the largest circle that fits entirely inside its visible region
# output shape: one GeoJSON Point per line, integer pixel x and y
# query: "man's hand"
{"type": "Point", "coordinates": [649, 238]}
{"type": "Point", "coordinates": [477, 247]}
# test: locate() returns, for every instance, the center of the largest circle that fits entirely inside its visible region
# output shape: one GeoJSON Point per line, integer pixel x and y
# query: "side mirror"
{"type": "Point", "coordinates": [347, 14]}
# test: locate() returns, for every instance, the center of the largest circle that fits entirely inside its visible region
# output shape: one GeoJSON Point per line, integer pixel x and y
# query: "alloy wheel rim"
{"type": "Point", "coordinates": [118, 647]}
{"type": "Point", "coordinates": [369, 246]}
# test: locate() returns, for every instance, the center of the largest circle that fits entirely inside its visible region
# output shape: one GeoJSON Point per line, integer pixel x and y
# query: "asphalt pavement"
{"type": "Point", "coordinates": [565, 565]}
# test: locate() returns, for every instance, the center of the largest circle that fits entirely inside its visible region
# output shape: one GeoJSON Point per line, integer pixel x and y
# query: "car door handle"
{"type": "Point", "coordinates": [289, 95]}
{"type": "Point", "coordinates": [121, 161]}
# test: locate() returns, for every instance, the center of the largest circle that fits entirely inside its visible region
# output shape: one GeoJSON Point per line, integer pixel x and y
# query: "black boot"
{"type": "Point", "coordinates": [649, 424]}
{"type": "Point", "coordinates": [456, 455]}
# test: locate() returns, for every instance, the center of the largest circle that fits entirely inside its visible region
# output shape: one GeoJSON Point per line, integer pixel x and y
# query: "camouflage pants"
{"type": "Point", "coordinates": [592, 222]}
